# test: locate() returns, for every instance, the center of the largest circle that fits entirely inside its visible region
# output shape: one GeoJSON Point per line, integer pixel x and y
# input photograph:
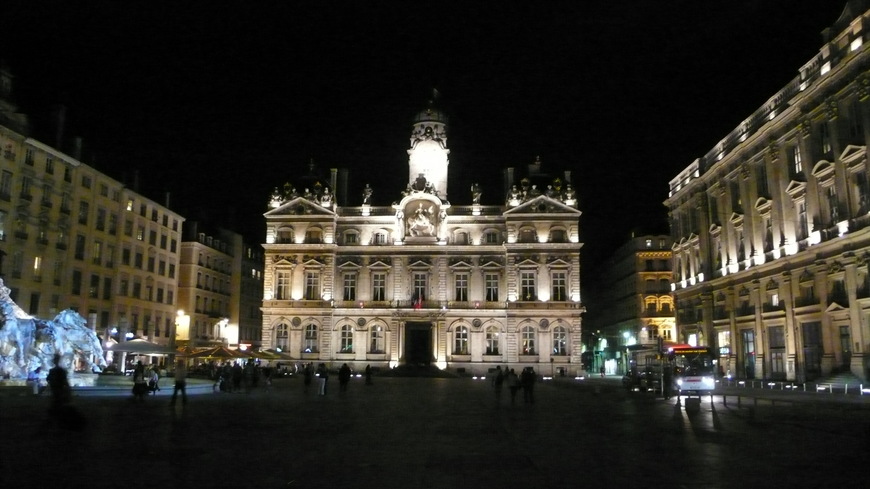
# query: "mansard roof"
{"type": "Point", "coordinates": [543, 205]}
{"type": "Point", "coordinates": [300, 207]}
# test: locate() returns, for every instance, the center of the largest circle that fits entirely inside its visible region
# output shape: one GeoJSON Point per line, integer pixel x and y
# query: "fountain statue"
{"type": "Point", "coordinates": [28, 343]}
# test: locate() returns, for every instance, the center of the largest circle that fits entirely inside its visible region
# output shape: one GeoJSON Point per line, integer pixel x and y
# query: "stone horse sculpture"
{"type": "Point", "coordinates": [27, 343]}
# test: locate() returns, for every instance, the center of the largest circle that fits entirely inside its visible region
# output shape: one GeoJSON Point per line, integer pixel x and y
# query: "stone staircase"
{"type": "Point", "coordinates": [841, 382]}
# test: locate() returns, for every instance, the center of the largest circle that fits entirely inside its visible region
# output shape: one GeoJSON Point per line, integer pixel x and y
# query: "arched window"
{"type": "Point", "coordinates": [313, 236]}
{"type": "Point", "coordinates": [528, 337]}
{"type": "Point", "coordinates": [282, 336]}
{"type": "Point", "coordinates": [558, 236]}
{"type": "Point", "coordinates": [460, 341]}
{"type": "Point", "coordinates": [528, 235]}
{"type": "Point", "coordinates": [492, 340]}
{"type": "Point", "coordinates": [285, 235]}
{"type": "Point", "coordinates": [310, 345]}
{"type": "Point", "coordinates": [376, 339]}
{"type": "Point", "coordinates": [346, 339]}
{"type": "Point", "coordinates": [460, 238]}
{"type": "Point", "coordinates": [560, 341]}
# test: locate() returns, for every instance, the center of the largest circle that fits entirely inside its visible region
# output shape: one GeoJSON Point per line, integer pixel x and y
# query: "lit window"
{"type": "Point", "coordinates": [346, 340]}
{"type": "Point", "coordinates": [460, 341]}
{"type": "Point", "coordinates": [560, 341]}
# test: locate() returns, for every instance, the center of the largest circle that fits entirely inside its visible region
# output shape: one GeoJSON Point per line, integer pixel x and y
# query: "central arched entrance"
{"type": "Point", "coordinates": [418, 343]}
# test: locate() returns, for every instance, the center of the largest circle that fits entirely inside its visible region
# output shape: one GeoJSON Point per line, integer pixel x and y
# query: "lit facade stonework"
{"type": "Point", "coordinates": [772, 228]}
{"type": "Point", "coordinates": [635, 305]}
{"type": "Point", "coordinates": [423, 281]}
{"type": "Point", "coordinates": [73, 237]}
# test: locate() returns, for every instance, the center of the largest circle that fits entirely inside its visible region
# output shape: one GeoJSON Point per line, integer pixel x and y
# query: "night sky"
{"type": "Point", "coordinates": [219, 102]}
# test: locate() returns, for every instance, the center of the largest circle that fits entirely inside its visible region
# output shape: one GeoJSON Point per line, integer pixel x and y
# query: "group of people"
{"type": "Point", "coordinates": [145, 381]}
{"type": "Point", "coordinates": [322, 375]}
{"type": "Point", "coordinates": [148, 381]}
{"type": "Point", "coordinates": [234, 377]}
{"type": "Point", "coordinates": [525, 381]}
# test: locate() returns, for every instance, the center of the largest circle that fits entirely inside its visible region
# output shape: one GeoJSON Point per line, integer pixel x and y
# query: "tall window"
{"type": "Point", "coordinates": [80, 247]}
{"type": "Point", "coordinates": [282, 336]}
{"type": "Point", "coordinates": [831, 193]}
{"type": "Point", "coordinates": [376, 340]}
{"type": "Point", "coordinates": [101, 219]}
{"type": "Point", "coordinates": [420, 282]}
{"type": "Point", "coordinates": [37, 268]}
{"type": "Point", "coordinates": [777, 350]}
{"type": "Point", "coordinates": [824, 138]}
{"type": "Point", "coordinates": [310, 344]}
{"type": "Point", "coordinates": [312, 285]}
{"type": "Point", "coordinates": [492, 340]}
{"type": "Point", "coordinates": [797, 165]}
{"type": "Point", "coordinates": [5, 185]}
{"type": "Point", "coordinates": [491, 237]}
{"type": "Point", "coordinates": [346, 339]}
{"type": "Point", "coordinates": [461, 287]}
{"type": "Point", "coordinates": [528, 287]}
{"type": "Point", "coordinates": [527, 337]}
{"type": "Point", "coordinates": [460, 341]}
{"type": "Point", "coordinates": [560, 341]}
{"type": "Point", "coordinates": [282, 285]}
{"type": "Point", "coordinates": [379, 286]}
{"type": "Point", "coordinates": [560, 285]}
{"type": "Point", "coordinates": [349, 286]}
{"type": "Point", "coordinates": [491, 284]}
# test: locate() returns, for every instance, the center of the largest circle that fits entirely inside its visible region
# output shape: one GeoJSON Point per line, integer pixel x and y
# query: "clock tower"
{"type": "Point", "coordinates": [428, 153]}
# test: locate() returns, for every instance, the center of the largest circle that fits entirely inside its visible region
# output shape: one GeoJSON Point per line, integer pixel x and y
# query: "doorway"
{"type": "Point", "coordinates": [418, 344]}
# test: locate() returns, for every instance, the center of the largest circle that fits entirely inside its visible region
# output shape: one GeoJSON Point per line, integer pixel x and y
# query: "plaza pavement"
{"type": "Point", "coordinates": [426, 433]}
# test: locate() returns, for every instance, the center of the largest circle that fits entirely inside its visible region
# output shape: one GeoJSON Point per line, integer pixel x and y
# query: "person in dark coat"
{"type": "Point", "coordinates": [527, 380]}
{"type": "Point", "coordinates": [368, 375]}
{"type": "Point", "coordinates": [59, 384]}
{"type": "Point", "coordinates": [322, 378]}
{"type": "Point", "coordinates": [343, 377]}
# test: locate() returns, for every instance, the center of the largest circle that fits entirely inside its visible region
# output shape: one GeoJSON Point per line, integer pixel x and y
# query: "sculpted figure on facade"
{"type": "Point", "coordinates": [420, 223]}
{"type": "Point", "coordinates": [475, 194]}
{"type": "Point", "coordinates": [367, 195]}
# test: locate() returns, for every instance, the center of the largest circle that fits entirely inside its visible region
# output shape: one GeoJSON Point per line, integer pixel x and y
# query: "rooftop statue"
{"type": "Point", "coordinates": [27, 343]}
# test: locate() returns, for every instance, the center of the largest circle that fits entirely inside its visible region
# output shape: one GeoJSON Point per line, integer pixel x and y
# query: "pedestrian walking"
{"type": "Point", "coordinates": [180, 383]}
{"type": "Point", "coordinates": [343, 377]}
{"type": "Point", "coordinates": [498, 381]}
{"type": "Point", "coordinates": [307, 374]}
{"type": "Point", "coordinates": [140, 385]}
{"type": "Point", "coordinates": [368, 375]}
{"type": "Point", "coordinates": [513, 383]}
{"type": "Point", "coordinates": [322, 377]}
{"type": "Point", "coordinates": [527, 380]}
{"type": "Point", "coordinates": [153, 381]}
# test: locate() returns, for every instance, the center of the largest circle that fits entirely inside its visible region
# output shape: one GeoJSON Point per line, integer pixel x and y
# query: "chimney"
{"type": "Point", "coordinates": [136, 181]}
{"type": "Point", "coordinates": [567, 176]}
{"type": "Point", "coordinates": [340, 192]}
{"type": "Point", "coordinates": [77, 148]}
{"type": "Point", "coordinates": [166, 203]}
{"type": "Point", "coordinates": [59, 117]}
{"type": "Point", "coordinates": [508, 179]}
{"type": "Point", "coordinates": [333, 179]}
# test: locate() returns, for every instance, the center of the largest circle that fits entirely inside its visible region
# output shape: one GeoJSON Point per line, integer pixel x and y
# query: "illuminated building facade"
{"type": "Point", "coordinates": [423, 281]}
{"type": "Point", "coordinates": [634, 306]}
{"type": "Point", "coordinates": [220, 288]}
{"type": "Point", "coordinates": [72, 237]}
{"type": "Point", "coordinates": [771, 226]}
